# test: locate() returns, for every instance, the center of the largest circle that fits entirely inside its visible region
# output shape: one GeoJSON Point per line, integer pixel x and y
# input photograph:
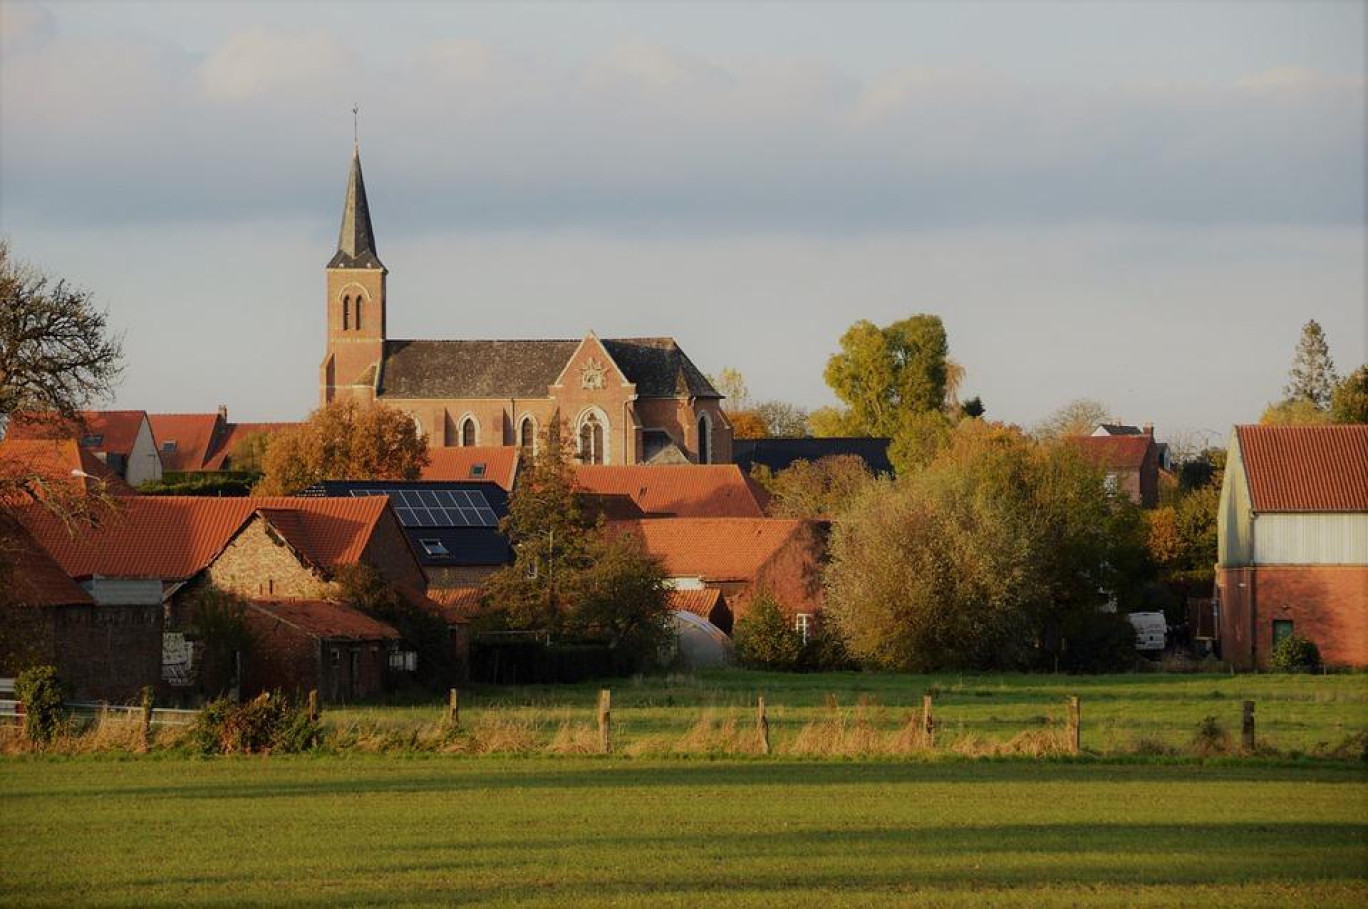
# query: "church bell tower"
{"type": "Point", "coordinates": [356, 301]}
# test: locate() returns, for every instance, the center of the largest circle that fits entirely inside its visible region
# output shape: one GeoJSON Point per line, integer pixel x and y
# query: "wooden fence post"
{"type": "Point", "coordinates": [148, 701]}
{"type": "Point", "coordinates": [605, 721]}
{"type": "Point", "coordinates": [928, 723]}
{"type": "Point", "coordinates": [762, 725]}
{"type": "Point", "coordinates": [1075, 725]}
{"type": "Point", "coordinates": [454, 708]}
{"type": "Point", "coordinates": [1247, 726]}
{"type": "Point", "coordinates": [313, 704]}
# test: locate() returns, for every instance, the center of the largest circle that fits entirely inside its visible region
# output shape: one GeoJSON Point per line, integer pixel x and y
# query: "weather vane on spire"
{"type": "Point", "coordinates": [356, 123]}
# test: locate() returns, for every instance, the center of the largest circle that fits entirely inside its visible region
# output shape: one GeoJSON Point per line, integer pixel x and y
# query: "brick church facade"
{"type": "Point", "coordinates": [623, 401]}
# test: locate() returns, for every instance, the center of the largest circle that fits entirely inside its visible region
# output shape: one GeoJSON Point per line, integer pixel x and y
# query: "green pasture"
{"type": "Point", "coordinates": [497, 831]}
{"type": "Point", "coordinates": [1294, 713]}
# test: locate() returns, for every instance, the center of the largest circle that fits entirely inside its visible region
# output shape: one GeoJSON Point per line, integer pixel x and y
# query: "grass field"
{"type": "Point", "coordinates": [1295, 713]}
{"type": "Point", "coordinates": [436, 830]}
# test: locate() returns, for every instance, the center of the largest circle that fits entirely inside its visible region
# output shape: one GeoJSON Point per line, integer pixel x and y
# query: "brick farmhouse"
{"type": "Point", "coordinates": [1293, 543]}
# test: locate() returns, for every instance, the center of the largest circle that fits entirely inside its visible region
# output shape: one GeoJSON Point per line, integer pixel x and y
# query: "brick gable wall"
{"type": "Point", "coordinates": [1327, 604]}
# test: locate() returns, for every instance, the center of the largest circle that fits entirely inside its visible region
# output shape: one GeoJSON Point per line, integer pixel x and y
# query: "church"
{"type": "Point", "coordinates": [624, 401]}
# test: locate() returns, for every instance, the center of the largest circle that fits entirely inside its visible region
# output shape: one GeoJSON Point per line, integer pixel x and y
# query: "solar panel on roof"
{"type": "Point", "coordinates": [437, 507]}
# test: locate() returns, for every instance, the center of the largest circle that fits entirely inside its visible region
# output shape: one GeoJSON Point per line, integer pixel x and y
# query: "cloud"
{"type": "Point", "coordinates": [460, 134]}
{"type": "Point", "coordinates": [256, 64]}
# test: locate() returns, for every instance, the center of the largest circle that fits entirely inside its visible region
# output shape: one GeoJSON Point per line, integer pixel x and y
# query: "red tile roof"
{"type": "Point", "coordinates": [322, 619]}
{"type": "Point", "coordinates": [700, 602]}
{"type": "Point", "coordinates": [119, 428]}
{"type": "Point", "coordinates": [1306, 468]}
{"type": "Point", "coordinates": [1116, 452]}
{"type": "Point", "coordinates": [501, 464]}
{"type": "Point", "coordinates": [234, 433]}
{"type": "Point", "coordinates": [685, 491]}
{"type": "Point", "coordinates": [456, 605]}
{"type": "Point", "coordinates": [55, 461]}
{"type": "Point", "coordinates": [195, 435]}
{"type": "Point", "coordinates": [719, 549]}
{"type": "Point", "coordinates": [176, 537]}
{"type": "Point", "coordinates": [35, 578]}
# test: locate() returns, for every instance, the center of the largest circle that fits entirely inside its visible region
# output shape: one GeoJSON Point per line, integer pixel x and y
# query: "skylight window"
{"type": "Point", "coordinates": [94, 440]}
{"type": "Point", "coordinates": [169, 446]}
{"type": "Point", "coordinates": [477, 470]}
{"type": "Point", "coordinates": [434, 547]}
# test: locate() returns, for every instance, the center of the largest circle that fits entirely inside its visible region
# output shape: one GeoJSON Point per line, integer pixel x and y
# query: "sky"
{"type": "Point", "coordinates": [1135, 202]}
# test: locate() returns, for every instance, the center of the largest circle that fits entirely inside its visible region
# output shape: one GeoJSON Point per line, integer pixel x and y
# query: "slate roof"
{"type": "Point", "coordinates": [322, 619]}
{"type": "Point", "coordinates": [1124, 452]}
{"type": "Point", "coordinates": [176, 537]}
{"type": "Point", "coordinates": [717, 549]}
{"type": "Point", "coordinates": [693, 491]}
{"type": "Point", "coordinates": [356, 237]}
{"type": "Point", "coordinates": [500, 464]}
{"type": "Point", "coordinates": [1306, 468]}
{"type": "Point", "coordinates": [524, 369]}
{"type": "Point", "coordinates": [779, 454]}
{"type": "Point", "coordinates": [465, 546]}
{"type": "Point", "coordinates": [53, 461]}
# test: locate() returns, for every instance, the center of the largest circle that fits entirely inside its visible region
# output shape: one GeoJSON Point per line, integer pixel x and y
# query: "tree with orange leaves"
{"type": "Point", "coordinates": [343, 440]}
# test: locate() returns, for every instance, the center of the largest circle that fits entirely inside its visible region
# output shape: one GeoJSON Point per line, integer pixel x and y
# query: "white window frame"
{"type": "Point", "coordinates": [802, 623]}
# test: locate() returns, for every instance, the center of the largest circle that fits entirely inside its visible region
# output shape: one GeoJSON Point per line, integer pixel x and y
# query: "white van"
{"type": "Point", "coordinates": [1150, 630]}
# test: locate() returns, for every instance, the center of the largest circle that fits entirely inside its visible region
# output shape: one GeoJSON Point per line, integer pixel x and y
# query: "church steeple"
{"type": "Point", "coordinates": [356, 239]}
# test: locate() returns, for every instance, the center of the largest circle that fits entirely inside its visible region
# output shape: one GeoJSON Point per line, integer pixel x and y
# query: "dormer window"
{"type": "Point", "coordinates": [169, 446]}
{"type": "Point", "coordinates": [94, 440]}
{"type": "Point", "coordinates": [434, 547]}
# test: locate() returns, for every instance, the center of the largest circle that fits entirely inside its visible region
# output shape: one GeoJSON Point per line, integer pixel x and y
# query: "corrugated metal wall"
{"type": "Point", "coordinates": [1311, 539]}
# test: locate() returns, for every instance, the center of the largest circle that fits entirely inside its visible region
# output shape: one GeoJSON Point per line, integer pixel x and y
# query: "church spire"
{"type": "Point", "coordinates": [356, 239]}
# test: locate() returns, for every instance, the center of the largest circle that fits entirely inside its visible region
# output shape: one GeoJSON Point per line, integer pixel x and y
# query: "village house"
{"type": "Point", "coordinates": [57, 467]}
{"type": "Point", "coordinates": [265, 550]}
{"type": "Point", "coordinates": [103, 636]}
{"type": "Point", "coordinates": [198, 442]}
{"type": "Point", "coordinates": [741, 558]}
{"type": "Point", "coordinates": [703, 491]}
{"type": "Point", "coordinates": [1292, 543]}
{"type": "Point", "coordinates": [625, 401]}
{"type": "Point", "coordinates": [121, 439]}
{"type": "Point", "coordinates": [1130, 463]}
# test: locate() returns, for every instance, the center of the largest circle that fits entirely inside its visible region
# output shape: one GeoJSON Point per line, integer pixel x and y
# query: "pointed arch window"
{"type": "Point", "coordinates": [591, 440]}
{"type": "Point", "coordinates": [470, 435]}
{"type": "Point", "coordinates": [527, 435]}
{"type": "Point", "coordinates": [346, 313]}
{"type": "Point", "coordinates": [704, 439]}
{"type": "Point", "coordinates": [358, 313]}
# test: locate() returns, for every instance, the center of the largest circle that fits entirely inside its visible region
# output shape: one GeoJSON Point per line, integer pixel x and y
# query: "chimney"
{"type": "Point", "coordinates": [1148, 429]}
{"type": "Point", "coordinates": [223, 412]}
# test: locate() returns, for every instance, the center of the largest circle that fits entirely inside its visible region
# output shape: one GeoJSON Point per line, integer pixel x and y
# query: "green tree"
{"type": "Point", "coordinates": [1312, 377]}
{"type": "Point", "coordinates": [249, 454]}
{"type": "Point", "coordinates": [997, 555]}
{"type": "Point", "coordinates": [781, 419]}
{"type": "Point", "coordinates": [620, 597]}
{"type": "Point", "coordinates": [825, 488]}
{"type": "Point", "coordinates": [1349, 403]}
{"type": "Point", "coordinates": [1299, 412]}
{"type": "Point", "coordinates": [550, 535]}
{"type": "Point", "coordinates": [1079, 417]}
{"type": "Point", "coordinates": [833, 423]}
{"type": "Point", "coordinates": [343, 440]}
{"type": "Point", "coordinates": [766, 639]}
{"type": "Point", "coordinates": [882, 373]}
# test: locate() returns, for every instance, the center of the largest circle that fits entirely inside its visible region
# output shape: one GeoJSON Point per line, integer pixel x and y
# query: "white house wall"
{"type": "Point", "coordinates": [1311, 539]}
{"type": "Point", "coordinates": [1235, 531]}
{"type": "Point", "coordinates": [143, 463]}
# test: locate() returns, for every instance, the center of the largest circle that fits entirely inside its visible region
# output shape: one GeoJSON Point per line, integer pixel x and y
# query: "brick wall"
{"type": "Point", "coordinates": [286, 659]}
{"type": "Point", "coordinates": [256, 565]}
{"type": "Point", "coordinates": [389, 552]}
{"type": "Point", "coordinates": [1327, 604]}
{"type": "Point", "coordinates": [107, 652]}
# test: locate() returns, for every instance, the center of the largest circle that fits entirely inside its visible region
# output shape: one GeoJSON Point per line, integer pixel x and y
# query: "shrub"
{"type": "Point", "coordinates": [40, 691]}
{"type": "Point", "coordinates": [267, 723]}
{"type": "Point", "coordinates": [1101, 642]}
{"type": "Point", "coordinates": [765, 639]}
{"type": "Point", "coordinates": [1295, 653]}
{"type": "Point", "coordinates": [1211, 738]}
